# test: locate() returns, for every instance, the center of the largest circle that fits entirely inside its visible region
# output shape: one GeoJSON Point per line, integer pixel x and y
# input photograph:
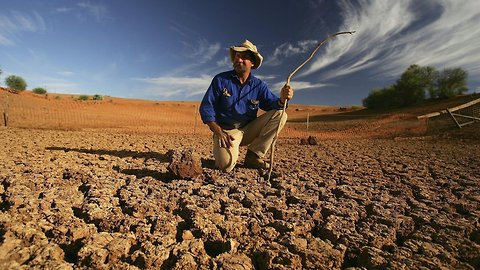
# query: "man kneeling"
{"type": "Point", "coordinates": [230, 107]}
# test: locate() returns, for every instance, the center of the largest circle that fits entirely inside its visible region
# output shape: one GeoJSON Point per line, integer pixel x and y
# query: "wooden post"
{"type": "Point", "coordinates": [195, 120]}
{"type": "Point", "coordinates": [453, 117]}
{"type": "Point", "coordinates": [308, 120]}
{"type": "Point", "coordinates": [5, 118]}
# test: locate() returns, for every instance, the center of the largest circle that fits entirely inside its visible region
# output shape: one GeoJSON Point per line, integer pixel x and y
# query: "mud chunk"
{"type": "Point", "coordinates": [372, 258]}
{"type": "Point", "coordinates": [227, 261]}
{"type": "Point", "coordinates": [185, 164]}
{"type": "Point", "coordinates": [311, 140]}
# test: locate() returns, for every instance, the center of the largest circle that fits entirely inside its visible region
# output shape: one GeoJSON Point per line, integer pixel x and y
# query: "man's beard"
{"type": "Point", "coordinates": [239, 68]}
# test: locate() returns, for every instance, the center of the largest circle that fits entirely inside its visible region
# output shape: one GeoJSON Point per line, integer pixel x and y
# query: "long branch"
{"type": "Point", "coordinates": [314, 51]}
{"type": "Point", "coordinates": [272, 147]}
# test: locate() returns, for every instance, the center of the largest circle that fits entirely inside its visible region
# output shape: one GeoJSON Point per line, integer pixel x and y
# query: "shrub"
{"type": "Point", "coordinates": [83, 97]}
{"type": "Point", "coordinates": [414, 84]}
{"type": "Point", "coordinates": [16, 82]}
{"type": "Point", "coordinates": [39, 90]}
{"type": "Point", "coordinates": [97, 97]}
{"type": "Point", "coordinates": [451, 82]}
{"type": "Point", "coordinates": [382, 99]}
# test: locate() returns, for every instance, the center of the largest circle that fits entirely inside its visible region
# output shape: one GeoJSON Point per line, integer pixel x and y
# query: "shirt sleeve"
{"type": "Point", "coordinates": [207, 106]}
{"type": "Point", "coordinates": [269, 100]}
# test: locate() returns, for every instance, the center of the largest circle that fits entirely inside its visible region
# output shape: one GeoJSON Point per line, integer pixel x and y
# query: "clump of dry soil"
{"type": "Point", "coordinates": [77, 199]}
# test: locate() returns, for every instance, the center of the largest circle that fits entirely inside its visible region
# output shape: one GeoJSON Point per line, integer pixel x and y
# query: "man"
{"type": "Point", "coordinates": [230, 107]}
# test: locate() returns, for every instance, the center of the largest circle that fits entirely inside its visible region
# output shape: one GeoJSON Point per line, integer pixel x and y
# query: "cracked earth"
{"type": "Point", "coordinates": [92, 199]}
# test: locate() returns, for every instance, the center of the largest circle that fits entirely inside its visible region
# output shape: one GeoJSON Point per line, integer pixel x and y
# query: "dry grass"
{"type": "Point", "coordinates": [67, 112]}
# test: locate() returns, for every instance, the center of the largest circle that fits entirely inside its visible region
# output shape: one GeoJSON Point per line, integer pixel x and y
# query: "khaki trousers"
{"type": "Point", "coordinates": [258, 135]}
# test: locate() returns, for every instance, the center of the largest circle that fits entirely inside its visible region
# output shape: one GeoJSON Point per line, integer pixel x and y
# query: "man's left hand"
{"type": "Point", "coordinates": [286, 93]}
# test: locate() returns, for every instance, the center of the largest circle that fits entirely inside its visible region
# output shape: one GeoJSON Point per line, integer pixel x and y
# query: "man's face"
{"type": "Point", "coordinates": [242, 62]}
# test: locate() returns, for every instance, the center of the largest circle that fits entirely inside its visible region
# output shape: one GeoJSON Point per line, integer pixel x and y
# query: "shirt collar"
{"type": "Point", "coordinates": [249, 79]}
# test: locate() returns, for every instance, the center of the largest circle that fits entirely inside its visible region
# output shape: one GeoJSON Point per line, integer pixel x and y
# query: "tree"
{"type": "Point", "coordinates": [451, 82]}
{"type": "Point", "coordinates": [382, 98]}
{"type": "Point", "coordinates": [39, 90]}
{"type": "Point", "coordinates": [16, 82]}
{"type": "Point", "coordinates": [414, 83]}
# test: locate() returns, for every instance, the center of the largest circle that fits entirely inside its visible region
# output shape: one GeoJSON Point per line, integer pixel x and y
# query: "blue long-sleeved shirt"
{"type": "Point", "coordinates": [233, 105]}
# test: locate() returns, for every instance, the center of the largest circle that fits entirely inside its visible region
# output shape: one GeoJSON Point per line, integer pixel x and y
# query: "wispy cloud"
{"type": "Point", "coordinates": [203, 51]}
{"type": "Point", "coordinates": [85, 10]}
{"type": "Point", "coordinates": [55, 85]}
{"type": "Point", "coordinates": [172, 86]}
{"type": "Point", "coordinates": [391, 35]}
{"type": "Point", "coordinates": [18, 22]}
{"type": "Point", "coordinates": [286, 50]}
{"type": "Point", "coordinates": [63, 9]}
{"type": "Point", "coordinates": [99, 12]}
{"type": "Point", "coordinates": [66, 73]}
{"type": "Point", "coordinates": [299, 85]}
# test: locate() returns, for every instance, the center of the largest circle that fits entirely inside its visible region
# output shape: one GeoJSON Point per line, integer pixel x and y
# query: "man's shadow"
{"type": "Point", "coordinates": [139, 173]}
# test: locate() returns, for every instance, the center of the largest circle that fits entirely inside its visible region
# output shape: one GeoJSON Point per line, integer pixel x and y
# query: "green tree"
{"type": "Point", "coordinates": [16, 82]}
{"type": "Point", "coordinates": [39, 90]}
{"type": "Point", "coordinates": [83, 97]}
{"type": "Point", "coordinates": [414, 83]}
{"type": "Point", "coordinates": [451, 82]}
{"type": "Point", "coordinates": [382, 98]}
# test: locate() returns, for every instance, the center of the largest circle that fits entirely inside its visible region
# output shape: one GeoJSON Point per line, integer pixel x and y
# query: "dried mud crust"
{"type": "Point", "coordinates": [97, 200]}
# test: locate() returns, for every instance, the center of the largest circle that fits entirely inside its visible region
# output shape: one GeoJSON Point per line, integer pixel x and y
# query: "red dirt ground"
{"type": "Point", "coordinates": [85, 185]}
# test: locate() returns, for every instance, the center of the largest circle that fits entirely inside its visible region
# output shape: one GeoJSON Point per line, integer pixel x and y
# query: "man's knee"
{"type": "Point", "coordinates": [280, 116]}
{"type": "Point", "coordinates": [224, 165]}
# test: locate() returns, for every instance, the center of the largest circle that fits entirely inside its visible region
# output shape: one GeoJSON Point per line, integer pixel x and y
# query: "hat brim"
{"type": "Point", "coordinates": [258, 58]}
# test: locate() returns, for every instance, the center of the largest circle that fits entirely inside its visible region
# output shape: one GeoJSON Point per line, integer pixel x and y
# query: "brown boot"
{"type": "Point", "coordinates": [255, 162]}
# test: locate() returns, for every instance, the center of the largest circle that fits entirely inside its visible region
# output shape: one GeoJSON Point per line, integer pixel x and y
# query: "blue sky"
{"type": "Point", "coordinates": [170, 50]}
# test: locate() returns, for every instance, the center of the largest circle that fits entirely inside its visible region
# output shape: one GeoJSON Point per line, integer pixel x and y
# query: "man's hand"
{"type": "Point", "coordinates": [224, 139]}
{"type": "Point", "coordinates": [286, 93]}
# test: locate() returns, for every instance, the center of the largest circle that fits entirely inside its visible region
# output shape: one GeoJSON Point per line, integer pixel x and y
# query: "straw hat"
{"type": "Point", "coordinates": [247, 46]}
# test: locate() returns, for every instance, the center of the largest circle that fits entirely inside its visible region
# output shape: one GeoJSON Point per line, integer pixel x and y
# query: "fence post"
{"type": "Point", "coordinates": [308, 119]}
{"type": "Point", "coordinates": [5, 118]}
{"type": "Point", "coordinates": [195, 121]}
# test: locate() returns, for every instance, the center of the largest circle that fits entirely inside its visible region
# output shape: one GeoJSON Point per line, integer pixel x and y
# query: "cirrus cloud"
{"type": "Point", "coordinates": [391, 35]}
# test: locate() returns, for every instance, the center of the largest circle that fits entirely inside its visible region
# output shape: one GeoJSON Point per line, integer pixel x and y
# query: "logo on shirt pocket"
{"type": "Point", "coordinates": [226, 93]}
{"type": "Point", "coordinates": [253, 104]}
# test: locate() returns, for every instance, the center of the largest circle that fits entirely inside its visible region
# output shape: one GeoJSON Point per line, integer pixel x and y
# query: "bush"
{"type": "Point", "coordinates": [451, 82]}
{"type": "Point", "coordinates": [97, 97]}
{"type": "Point", "coordinates": [39, 90]}
{"type": "Point", "coordinates": [83, 97]}
{"type": "Point", "coordinates": [382, 99]}
{"type": "Point", "coordinates": [16, 82]}
{"type": "Point", "coordinates": [414, 84]}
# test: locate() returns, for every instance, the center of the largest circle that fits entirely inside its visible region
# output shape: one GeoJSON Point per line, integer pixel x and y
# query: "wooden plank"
{"type": "Point", "coordinates": [465, 105]}
{"type": "Point", "coordinates": [466, 116]}
{"type": "Point", "coordinates": [453, 117]}
{"type": "Point", "coordinates": [468, 104]}
{"type": "Point", "coordinates": [430, 115]}
{"type": "Point", "coordinates": [467, 123]}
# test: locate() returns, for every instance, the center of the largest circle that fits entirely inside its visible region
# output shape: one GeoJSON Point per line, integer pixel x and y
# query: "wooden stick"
{"type": "Point", "coordinates": [272, 150]}
{"type": "Point", "coordinates": [453, 117]}
{"type": "Point", "coordinates": [5, 118]}
{"type": "Point", "coordinates": [459, 107]}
